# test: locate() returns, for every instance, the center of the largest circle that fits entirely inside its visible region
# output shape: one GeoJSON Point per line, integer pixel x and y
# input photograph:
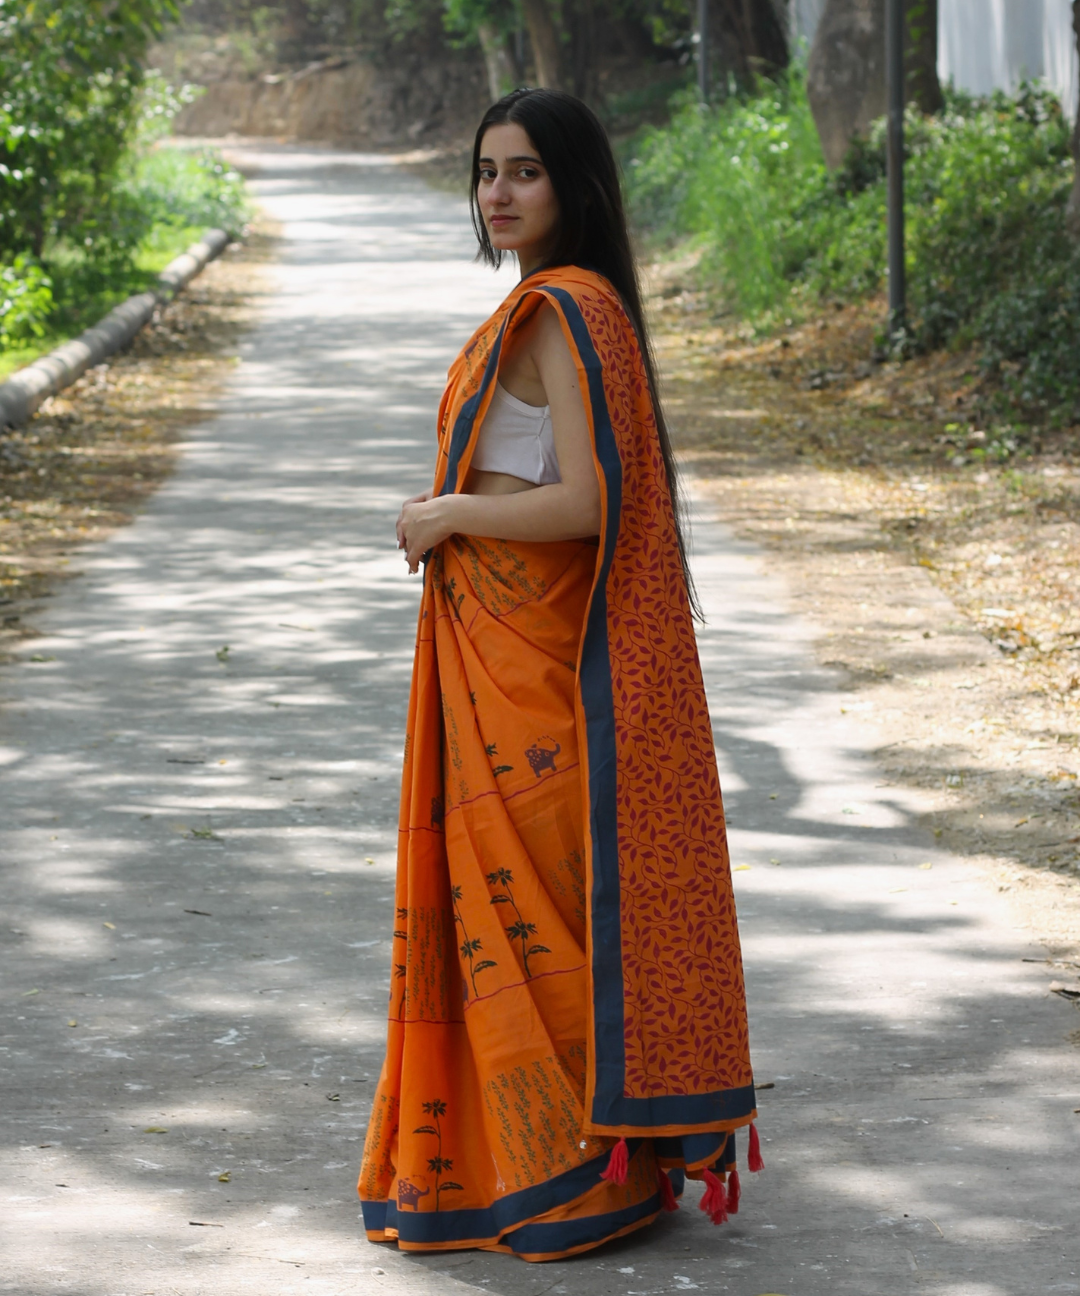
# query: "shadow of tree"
{"type": "Point", "coordinates": [197, 854]}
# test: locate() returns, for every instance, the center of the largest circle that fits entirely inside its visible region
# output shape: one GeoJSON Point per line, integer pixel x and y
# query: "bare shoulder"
{"type": "Point", "coordinates": [548, 340]}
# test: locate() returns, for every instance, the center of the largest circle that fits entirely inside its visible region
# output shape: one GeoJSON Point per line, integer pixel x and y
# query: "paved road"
{"type": "Point", "coordinates": [197, 853]}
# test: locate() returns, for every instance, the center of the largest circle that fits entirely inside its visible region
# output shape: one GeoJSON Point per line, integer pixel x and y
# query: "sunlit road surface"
{"type": "Point", "coordinates": [198, 780]}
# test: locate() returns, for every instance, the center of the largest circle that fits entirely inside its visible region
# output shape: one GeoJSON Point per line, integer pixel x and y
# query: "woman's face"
{"type": "Point", "coordinates": [516, 197]}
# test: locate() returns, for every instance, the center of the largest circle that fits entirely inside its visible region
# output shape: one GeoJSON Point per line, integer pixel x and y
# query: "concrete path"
{"type": "Point", "coordinates": [198, 776]}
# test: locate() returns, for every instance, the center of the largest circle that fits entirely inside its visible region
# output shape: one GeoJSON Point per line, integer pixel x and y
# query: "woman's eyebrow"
{"type": "Point", "coordinates": [521, 157]}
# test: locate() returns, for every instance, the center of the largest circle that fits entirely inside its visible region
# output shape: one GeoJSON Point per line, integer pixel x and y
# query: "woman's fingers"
{"type": "Point", "coordinates": [401, 524]}
{"type": "Point", "coordinates": [400, 528]}
{"type": "Point", "coordinates": [424, 525]}
{"type": "Point", "coordinates": [411, 534]}
{"type": "Point", "coordinates": [417, 544]}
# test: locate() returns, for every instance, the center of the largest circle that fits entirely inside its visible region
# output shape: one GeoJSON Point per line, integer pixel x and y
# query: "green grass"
{"type": "Point", "coordinates": [165, 244]}
{"type": "Point", "coordinates": [15, 358]}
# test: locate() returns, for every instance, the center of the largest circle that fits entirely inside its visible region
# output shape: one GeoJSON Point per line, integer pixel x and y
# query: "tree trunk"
{"type": "Point", "coordinates": [845, 80]}
{"type": "Point", "coordinates": [765, 36]}
{"type": "Point", "coordinates": [500, 72]}
{"type": "Point", "coordinates": [1072, 211]}
{"type": "Point", "coordinates": [580, 20]}
{"type": "Point", "coordinates": [846, 73]}
{"type": "Point", "coordinates": [544, 37]}
{"type": "Point", "coordinates": [515, 54]}
{"type": "Point", "coordinates": [746, 39]}
{"type": "Point", "coordinates": [920, 60]}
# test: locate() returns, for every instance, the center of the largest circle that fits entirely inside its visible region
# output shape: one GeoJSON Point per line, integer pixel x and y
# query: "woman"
{"type": "Point", "coordinates": [567, 1035]}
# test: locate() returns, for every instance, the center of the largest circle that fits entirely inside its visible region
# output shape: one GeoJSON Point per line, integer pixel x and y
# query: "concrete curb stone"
{"type": "Point", "coordinates": [27, 389]}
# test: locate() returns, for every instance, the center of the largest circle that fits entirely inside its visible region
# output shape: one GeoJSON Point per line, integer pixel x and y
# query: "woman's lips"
{"type": "Point", "coordinates": [502, 220]}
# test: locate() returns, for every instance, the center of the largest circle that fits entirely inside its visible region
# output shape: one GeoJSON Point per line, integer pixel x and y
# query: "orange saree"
{"type": "Point", "coordinates": [567, 1027]}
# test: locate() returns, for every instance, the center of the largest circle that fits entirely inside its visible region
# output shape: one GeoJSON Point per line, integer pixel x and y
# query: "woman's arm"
{"type": "Point", "coordinates": [568, 510]}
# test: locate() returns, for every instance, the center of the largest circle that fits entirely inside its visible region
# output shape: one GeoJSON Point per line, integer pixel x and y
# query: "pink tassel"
{"type": "Point", "coordinates": [753, 1155]}
{"type": "Point", "coordinates": [734, 1192]}
{"type": "Point", "coordinates": [618, 1166]}
{"type": "Point", "coordinates": [667, 1192]}
{"type": "Point", "coordinates": [714, 1200]}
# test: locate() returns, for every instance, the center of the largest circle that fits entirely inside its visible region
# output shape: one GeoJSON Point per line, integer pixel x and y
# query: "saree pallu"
{"type": "Point", "coordinates": [566, 972]}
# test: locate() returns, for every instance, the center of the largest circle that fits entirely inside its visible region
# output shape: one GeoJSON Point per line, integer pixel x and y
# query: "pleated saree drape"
{"type": "Point", "coordinates": [567, 1026]}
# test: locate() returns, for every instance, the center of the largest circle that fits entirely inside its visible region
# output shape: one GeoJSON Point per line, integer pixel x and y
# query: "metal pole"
{"type": "Point", "coordinates": [894, 79]}
{"type": "Point", "coordinates": [703, 49]}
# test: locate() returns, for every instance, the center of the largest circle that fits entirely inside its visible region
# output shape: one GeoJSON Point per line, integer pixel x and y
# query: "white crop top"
{"type": "Point", "coordinates": [516, 438]}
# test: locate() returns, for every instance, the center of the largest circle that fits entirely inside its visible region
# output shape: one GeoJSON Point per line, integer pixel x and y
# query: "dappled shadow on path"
{"type": "Point", "coordinates": [226, 960]}
{"type": "Point", "coordinates": [199, 798]}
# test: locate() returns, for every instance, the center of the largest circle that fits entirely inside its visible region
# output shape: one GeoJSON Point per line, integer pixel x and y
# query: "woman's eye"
{"type": "Point", "coordinates": [528, 173]}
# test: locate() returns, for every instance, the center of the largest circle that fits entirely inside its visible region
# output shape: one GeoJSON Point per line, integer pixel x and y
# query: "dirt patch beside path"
{"type": "Point", "coordinates": [942, 567]}
{"type": "Point", "coordinates": [91, 456]}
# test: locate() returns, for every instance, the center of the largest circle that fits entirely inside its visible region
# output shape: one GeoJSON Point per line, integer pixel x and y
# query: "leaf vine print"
{"type": "Point", "coordinates": [519, 930]}
{"type": "Point", "coordinates": [492, 749]}
{"type": "Point", "coordinates": [438, 1164]}
{"type": "Point", "coordinates": [400, 933]}
{"type": "Point", "coordinates": [454, 597]}
{"type": "Point", "coordinates": [469, 948]}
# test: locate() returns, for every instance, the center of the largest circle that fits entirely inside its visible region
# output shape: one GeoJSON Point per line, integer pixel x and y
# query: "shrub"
{"type": "Point", "coordinates": [726, 177]}
{"type": "Point", "coordinates": [987, 184]}
{"type": "Point", "coordinates": [25, 300]}
{"type": "Point", "coordinates": [175, 187]}
{"type": "Point", "coordinates": [988, 258]}
{"type": "Point", "coordinates": [187, 188]}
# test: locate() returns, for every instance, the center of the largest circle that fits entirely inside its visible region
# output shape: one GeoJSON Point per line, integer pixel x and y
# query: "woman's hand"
{"type": "Point", "coordinates": [416, 499]}
{"type": "Point", "coordinates": [424, 523]}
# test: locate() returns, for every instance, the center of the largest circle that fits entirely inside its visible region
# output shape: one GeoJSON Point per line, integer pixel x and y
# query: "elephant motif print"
{"type": "Point", "coordinates": [408, 1194]}
{"type": "Point", "coordinates": [542, 758]}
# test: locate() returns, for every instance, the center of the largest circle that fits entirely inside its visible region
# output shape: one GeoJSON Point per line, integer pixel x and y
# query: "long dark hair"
{"type": "Point", "coordinates": [592, 231]}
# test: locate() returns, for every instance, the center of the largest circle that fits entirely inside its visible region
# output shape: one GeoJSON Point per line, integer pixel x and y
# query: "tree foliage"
{"type": "Point", "coordinates": [70, 71]}
{"type": "Point", "coordinates": [88, 204]}
{"type": "Point", "coordinates": [565, 42]}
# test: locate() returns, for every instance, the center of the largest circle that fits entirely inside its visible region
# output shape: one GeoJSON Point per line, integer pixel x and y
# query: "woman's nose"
{"type": "Point", "coordinates": [500, 190]}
